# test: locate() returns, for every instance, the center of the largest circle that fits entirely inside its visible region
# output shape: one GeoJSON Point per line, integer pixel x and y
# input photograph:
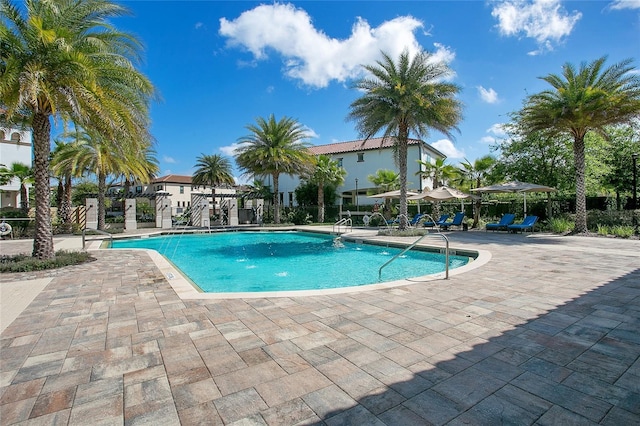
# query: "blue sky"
{"type": "Point", "coordinates": [220, 64]}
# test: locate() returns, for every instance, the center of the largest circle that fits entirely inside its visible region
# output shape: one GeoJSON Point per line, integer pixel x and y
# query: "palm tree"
{"type": "Point", "coordinates": [65, 174]}
{"type": "Point", "coordinates": [91, 153]}
{"type": "Point", "coordinates": [274, 148]}
{"type": "Point", "coordinates": [408, 96]}
{"type": "Point", "coordinates": [440, 173]}
{"type": "Point", "coordinates": [213, 170]}
{"type": "Point", "coordinates": [476, 174]}
{"type": "Point", "coordinates": [24, 174]}
{"type": "Point", "coordinates": [385, 180]}
{"type": "Point", "coordinates": [64, 59]}
{"type": "Point", "coordinates": [583, 100]}
{"type": "Point", "coordinates": [325, 171]}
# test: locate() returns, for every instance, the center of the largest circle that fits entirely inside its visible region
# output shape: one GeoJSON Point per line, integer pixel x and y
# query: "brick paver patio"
{"type": "Point", "coordinates": [548, 332]}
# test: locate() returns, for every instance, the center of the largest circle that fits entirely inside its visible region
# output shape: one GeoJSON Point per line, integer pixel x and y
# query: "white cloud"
{"type": "Point", "coordinates": [490, 96]}
{"type": "Point", "coordinates": [494, 133]}
{"type": "Point", "coordinates": [543, 20]}
{"type": "Point", "coordinates": [199, 25]}
{"type": "Point", "coordinates": [625, 4]}
{"type": "Point", "coordinates": [312, 56]}
{"type": "Point", "coordinates": [447, 148]}
{"type": "Point", "coordinates": [167, 159]}
{"type": "Point", "coordinates": [230, 150]}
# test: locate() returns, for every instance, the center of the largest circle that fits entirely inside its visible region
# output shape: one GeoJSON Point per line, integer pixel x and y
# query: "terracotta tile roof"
{"type": "Point", "coordinates": [173, 179]}
{"type": "Point", "coordinates": [361, 145]}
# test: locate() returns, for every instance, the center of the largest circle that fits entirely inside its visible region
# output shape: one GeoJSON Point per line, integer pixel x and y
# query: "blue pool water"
{"type": "Point", "coordinates": [282, 261]}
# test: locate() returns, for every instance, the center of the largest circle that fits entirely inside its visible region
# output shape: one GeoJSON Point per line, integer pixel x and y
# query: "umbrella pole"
{"type": "Point", "coordinates": [525, 203]}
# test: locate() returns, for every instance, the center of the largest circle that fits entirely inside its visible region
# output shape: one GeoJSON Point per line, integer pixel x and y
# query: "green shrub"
{"type": "Point", "coordinates": [603, 230]}
{"type": "Point", "coordinates": [561, 225]}
{"type": "Point", "coordinates": [611, 218]}
{"type": "Point", "coordinates": [25, 263]}
{"type": "Point", "coordinates": [298, 217]}
{"type": "Point", "coordinates": [622, 231]}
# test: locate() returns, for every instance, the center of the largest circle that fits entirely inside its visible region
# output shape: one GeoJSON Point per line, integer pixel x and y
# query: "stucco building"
{"type": "Point", "coordinates": [15, 147]}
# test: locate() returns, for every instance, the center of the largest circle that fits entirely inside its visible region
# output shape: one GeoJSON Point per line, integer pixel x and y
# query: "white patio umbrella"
{"type": "Point", "coordinates": [444, 193]}
{"type": "Point", "coordinates": [516, 186]}
{"type": "Point", "coordinates": [391, 194]}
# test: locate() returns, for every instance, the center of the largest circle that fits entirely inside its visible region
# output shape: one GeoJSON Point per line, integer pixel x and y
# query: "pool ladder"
{"type": "Point", "coordinates": [446, 254]}
{"type": "Point", "coordinates": [346, 222]}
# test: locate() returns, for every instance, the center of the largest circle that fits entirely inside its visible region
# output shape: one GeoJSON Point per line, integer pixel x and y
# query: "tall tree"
{"type": "Point", "coordinates": [64, 59]}
{"type": "Point", "coordinates": [274, 148]}
{"type": "Point", "coordinates": [24, 174]}
{"type": "Point", "coordinates": [64, 173]}
{"type": "Point", "coordinates": [385, 180]}
{"type": "Point", "coordinates": [325, 171]}
{"type": "Point", "coordinates": [583, 100]}
{"type": "Point", "coordinates": [403, 97]}
{"type": "Point", "coordinates": [476, 174]}
{"type": "Point", "coordinates": [439, 172]}
{"type": "Point", "coordinates": [90, 152]}
{"type": "Point", "coordinates": [212, 170]}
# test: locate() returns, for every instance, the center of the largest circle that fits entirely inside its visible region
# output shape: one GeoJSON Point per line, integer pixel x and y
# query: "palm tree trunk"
{"type": "Point", "coordinates": [102, 189]}
{"type": "Point", "coordinates": [276, 198]}
{"type": "Point", "coordinates": [66, 202]}
{"type": "Point", "coordinates": [24, 199]}
{"type": "Point", "coordinates": [402, 165]}
{"type": "Point", "coordinates": [581, 197]}
{"type": "Point", "coordinates": [320, 202]}
{"type": "Point", "coordinates": [43, 238]}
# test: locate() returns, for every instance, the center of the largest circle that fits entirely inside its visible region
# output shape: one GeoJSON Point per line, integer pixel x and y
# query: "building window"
{"type": "Point", "coordinates": [15, 138]}
{"type": "Point", "coordinates": [179, 210]}
{"type": "Point", "coordinates": [291, 199]}
{"type": "Point", "coordinates": [281, 198]}
{"type": "Point", "coordinates": [188, 203]}
{"type": "Point", "coordinates": [339, 162]}
{"type": "Point", "coordinates": [360, 157]}
{"type": "Point", "coordinates": [182, 189]}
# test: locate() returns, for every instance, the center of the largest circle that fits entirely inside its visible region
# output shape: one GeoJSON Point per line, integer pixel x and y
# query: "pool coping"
{"type": "Point", "coordinates": [188, 290]}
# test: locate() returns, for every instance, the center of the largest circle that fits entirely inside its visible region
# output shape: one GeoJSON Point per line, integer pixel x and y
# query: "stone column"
{"type": "Point", "coordinates": [163, 210]}
{"type": "Point", "coordinates": [91, 213]}
{"type": "Point", "coordinates": [233, 212]}
{"type": "Point", "coordinates": [200, 210]}
{"type": "Point", "coordinates": [130, 222]}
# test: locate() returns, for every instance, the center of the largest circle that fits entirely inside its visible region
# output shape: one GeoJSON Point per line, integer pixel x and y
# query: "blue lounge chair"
{"type": "Point", "coordinates": [527, 223]}
{"type": "Point", "coordinates": [415, 219]}
{"type": "Point", "coordinates": [457, 221]}
{"type": "Point", "coordinates": [506, 220]}
{"type": "Point", "coordinates": [443, 219]}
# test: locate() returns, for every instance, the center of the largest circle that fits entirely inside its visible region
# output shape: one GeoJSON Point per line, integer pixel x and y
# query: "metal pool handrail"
{"type": "Point", "coordinates": [99, 232]}
{"type": "Point", "coordinates": [446, 255]}
{"type": "Point", "coordinates": [346, 222]}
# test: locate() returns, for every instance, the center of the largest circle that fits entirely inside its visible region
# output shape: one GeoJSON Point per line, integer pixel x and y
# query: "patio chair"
{"type": "Point", "coordinates": [505, 221]}
{"type": "Point", "coordinates": [414, 221]}
{"type": "Point", "coordinates": [457, 221]}
{"type": "Point", "coordinates": [527, 223]}
{"type": "Point", "coordinates": [443, 219]}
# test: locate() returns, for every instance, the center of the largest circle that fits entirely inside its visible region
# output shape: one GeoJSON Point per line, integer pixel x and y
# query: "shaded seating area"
{"type": "Point", "coordinates": [457, 221]}
{"type": "Point", "coordinates": [502, 225]}
{"type": "Point", "coordinates": [527, 224]}
{"type": "Point", "coordinates": [443, 218]}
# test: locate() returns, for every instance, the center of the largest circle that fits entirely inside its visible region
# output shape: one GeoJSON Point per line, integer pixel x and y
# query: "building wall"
{"type": "Point", "coordinates": [360, 165]}
{"type": "Point", "coordinates": [181, 194]}
{"type": "Point", "coordinates": [15, 147]}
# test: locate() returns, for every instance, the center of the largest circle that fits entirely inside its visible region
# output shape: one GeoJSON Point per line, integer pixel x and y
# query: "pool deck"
{"type": "Point", "coordinates": [546, 332]}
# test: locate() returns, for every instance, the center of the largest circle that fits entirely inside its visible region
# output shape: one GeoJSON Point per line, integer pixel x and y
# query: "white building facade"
{"type": "Point", "coordinates": [180, 189]}
{"type": "Point", "coordinates": [15, 147]}
{"type": "Point", "coordinates": [361, 159]}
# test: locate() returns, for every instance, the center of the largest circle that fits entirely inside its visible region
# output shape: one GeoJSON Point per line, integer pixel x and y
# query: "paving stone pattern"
{"type": "Point", "coordinates": [548, 332]}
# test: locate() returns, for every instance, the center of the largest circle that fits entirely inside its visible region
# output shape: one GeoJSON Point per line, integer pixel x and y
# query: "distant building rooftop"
{"type": "Point", "coordinates": [362, 145]}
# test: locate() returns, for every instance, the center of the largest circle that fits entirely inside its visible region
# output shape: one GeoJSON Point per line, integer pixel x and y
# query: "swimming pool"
{"type": "Point", "coordinates": [283, 261]}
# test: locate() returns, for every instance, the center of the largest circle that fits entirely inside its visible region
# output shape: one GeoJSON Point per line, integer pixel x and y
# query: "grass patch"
{"type": "Point", "coordinates": [25, 263]}
{"type": "Point", "coordinates": [561, 225]}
